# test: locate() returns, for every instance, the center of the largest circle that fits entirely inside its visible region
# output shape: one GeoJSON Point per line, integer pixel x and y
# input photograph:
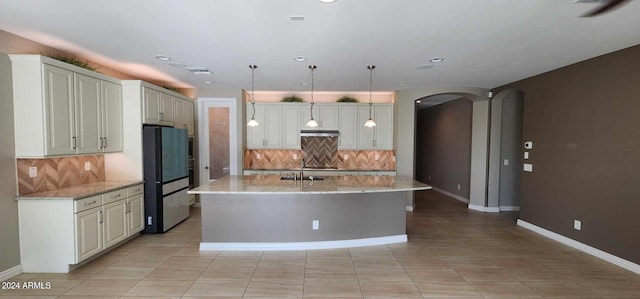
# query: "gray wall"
{"type": "Point", "coordinates": [443, 146]}
{"type": "Point", "coordinates": [9, 243]}
{"type": "Point", "coordinates": [583, 120]}
{"type": "Point", "coordinates": [404, 128]}
{"type": "Point", "coordinates": [511, 150]}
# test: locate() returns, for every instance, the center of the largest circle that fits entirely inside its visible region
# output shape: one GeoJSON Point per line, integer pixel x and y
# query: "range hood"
{"type": "Point", "coordinates": [319, 133]}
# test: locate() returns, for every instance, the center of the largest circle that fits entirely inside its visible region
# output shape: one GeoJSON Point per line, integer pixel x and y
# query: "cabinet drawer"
{"type": "Point", "coordinates": [113, 196]}
{"type": "Point", "coordinates": [135, 190]}
{"type": "Point", "coordinates": [87, 203]}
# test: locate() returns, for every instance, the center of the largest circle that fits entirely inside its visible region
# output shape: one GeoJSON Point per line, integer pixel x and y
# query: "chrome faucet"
{"type": "Point", "coordinates": [302, 167]}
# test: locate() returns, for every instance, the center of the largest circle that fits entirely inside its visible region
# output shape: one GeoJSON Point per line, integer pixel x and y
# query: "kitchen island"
{"type": "Point", "coordinates": [267, 213]}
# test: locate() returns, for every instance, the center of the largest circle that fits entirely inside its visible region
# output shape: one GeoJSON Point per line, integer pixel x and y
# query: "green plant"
{"type": "Point", "coordinates": [347, 99]}
{"type": "Point", "coordinates": [73, 60]}
{"type": "Point", "coordinates": [291, 99]}
{"type": "Point", "coordinates": [174, 89]}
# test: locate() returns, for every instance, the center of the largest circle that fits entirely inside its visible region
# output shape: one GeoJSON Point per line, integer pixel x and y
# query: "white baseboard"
{"type": "Point", "coordinates": [484, 209]}
{"type": "Point", "coordinates": [10, 273]}
{"type": "Point", "coordinates": [509, 208]}
{"type": "Point", "coordinates": [303, 245]}
{"type": "Point", "coordinates": [633, 267]}
{"type": "Point", "coordinates": [411, 208]}
{"type": "Point", "coordinates": [458, 197]}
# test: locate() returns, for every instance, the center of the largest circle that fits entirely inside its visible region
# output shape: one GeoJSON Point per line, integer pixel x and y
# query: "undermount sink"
{"type": "Point", "coordinates": [306, 178]}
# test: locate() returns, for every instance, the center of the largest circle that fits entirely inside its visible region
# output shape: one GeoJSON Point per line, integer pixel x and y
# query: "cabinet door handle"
{"type": "Point", "coordinates": [161, 115]}
{"type": "Point", "coordinates": [115, 196]}
{"type": "Point", "coordinates": [106, 143]}
{"type": "Point", "coordinates": [75, 142]}
{"type": "Point", "coordinates": [100, 216]}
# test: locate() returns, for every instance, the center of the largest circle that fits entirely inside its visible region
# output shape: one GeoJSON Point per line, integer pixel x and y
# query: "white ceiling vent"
{"type": "Point", "coordinates": [198, 70]}
{"type": "Point", "coordinates": [296, 18]}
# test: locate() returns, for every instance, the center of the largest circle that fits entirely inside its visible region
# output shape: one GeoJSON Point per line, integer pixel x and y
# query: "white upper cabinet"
{"type": "Point", "coordinates": [183, 115]}
{"type": "Point", "coordinates": [348, 114]}
{"type": "Point", "coordinates": [281, 123]}
{"type": "Point", "coordinates": [325, 114]}
{"type": "Point", "coordinates": [166, 109]}
{"type": "Point", "coordinates": [88, 114]}
{"type": "Point", "coordinates": [379, 137]}
{"type": "Point", "coordinates": [291, 126]}
{"type": "Point", "coordinates": [269, 133]}
{"type": "Point", "coordinates": [112, 119]}
{"type": "Point", "coordinates": [59, 108]}
{"type": "Point", "coordinates": [59, 114]}
{"type": "Point", "coordinates": [151, 104]}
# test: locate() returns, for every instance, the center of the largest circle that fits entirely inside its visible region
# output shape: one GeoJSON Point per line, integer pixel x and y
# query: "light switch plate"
{"type": "Point", "coordinates": [526, 155]}
{"type": "Point", "coordinates": [528, 167]}
{"type": "Point", "coordinates": [506, 162]}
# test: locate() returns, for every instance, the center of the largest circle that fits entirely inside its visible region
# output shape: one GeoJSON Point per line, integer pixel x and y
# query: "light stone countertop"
{"type": "Point", "coordinates": [80, 191]}
{"type": "Point", "coordinates": [270, 184]}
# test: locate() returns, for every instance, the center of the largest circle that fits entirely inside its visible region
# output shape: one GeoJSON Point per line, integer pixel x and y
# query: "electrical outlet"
{"type": "Point", "coordinates": [506, 162]}
{"type": "Point", "coordinates": [345, 157]}
{"type": "Point", "coordinates": [528, 167]}
{"type": "Point", "coordinates": [33, 172]}
{"type": "Point", "coordinates": [315, 224]}
{"type": "Point", "coordinates": [258, 156]}
{"type": "Point", "coordinates": [377, 157]}
{"type": "Point", "coordinates": [526, 155]}
{"type": "Point", "coordinates": [393, 158]}
{"type": "Point", "coordinates": [87, 166]}
{"type": "Point", "coordinates": [295, 156]}
{"type": "Point", "coordinates": [577, 224]}
{"type": "Point", "coordinates": [458, 186]}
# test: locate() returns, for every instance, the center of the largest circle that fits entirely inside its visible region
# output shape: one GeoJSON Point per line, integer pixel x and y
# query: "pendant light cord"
{"type": "Point", "coordinates": [312, 67]}
{"type": "Point", "coordinates": [253, 97]}
{"type": "Point", "coordinates": [370, 67]}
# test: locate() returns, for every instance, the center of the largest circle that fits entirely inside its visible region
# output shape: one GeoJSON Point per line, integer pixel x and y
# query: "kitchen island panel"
{"type": "Point", "coordinates": [284, 218]}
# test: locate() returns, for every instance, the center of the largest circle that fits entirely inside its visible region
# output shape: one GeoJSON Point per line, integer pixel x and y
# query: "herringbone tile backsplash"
{"type": "Point", "coordinates": [320, 152]}
{"type": "Point", "coordinates": [56, 173]}
{"type": "Point", "coordinates": [347, 160]}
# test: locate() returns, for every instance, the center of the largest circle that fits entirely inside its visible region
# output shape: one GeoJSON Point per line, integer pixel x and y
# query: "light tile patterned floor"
{"type": "Point", "coordinates": [452, 253]}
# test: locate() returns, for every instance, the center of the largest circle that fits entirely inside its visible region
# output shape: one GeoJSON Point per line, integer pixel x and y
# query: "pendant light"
{"type": "Point", "coordinates": [370, 123]}
{"type": "Point", "coordinates": [253, 122]}
{"type": "Point", "coordinates": [312, 123]}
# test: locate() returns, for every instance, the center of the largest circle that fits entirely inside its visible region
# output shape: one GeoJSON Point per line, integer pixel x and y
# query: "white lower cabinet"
{"type": "Point", "coordinates": [88, 227]}
{"type": "Point", "coordinates": [114, 226]}
{"type": "Point", "coordinates": [135, 214]}
{"type": "Point", "coordinates": [72, 231]}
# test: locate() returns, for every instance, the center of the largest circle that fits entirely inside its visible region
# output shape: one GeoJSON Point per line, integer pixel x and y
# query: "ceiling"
{"type": "Point", "coordinates": [484, 43]}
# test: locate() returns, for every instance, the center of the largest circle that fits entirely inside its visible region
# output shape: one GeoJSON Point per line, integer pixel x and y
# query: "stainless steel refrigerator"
{"type": "Point", "coordinates": [166, 177]}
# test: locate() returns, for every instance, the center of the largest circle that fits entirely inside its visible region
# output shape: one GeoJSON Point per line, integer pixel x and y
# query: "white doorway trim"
{"type": "Point", "coordinates": [203, 135]}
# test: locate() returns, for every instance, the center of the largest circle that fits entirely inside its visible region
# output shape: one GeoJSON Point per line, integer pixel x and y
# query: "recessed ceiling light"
{"type": "Point", "coordinates": [163, 58]}
{"type": "Point", "coordinates": [176, 64]}
{"type": "Point", "coordinates": [403, 83]}
{"type": "Point", "coordinates": [424, 66]}
{"type": "Point", "coordinates": [207, 82]}
{"type": "Point", "coordinates": [300, 58]}
{"type": "Point", "coordinates": [436, 59]}
{"type": "Point", "coordinates": [304, 83]}
{"type": "Point", "coordinates": [328, 1]}
{"type": "Point", "coordinates": [296, 18]}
